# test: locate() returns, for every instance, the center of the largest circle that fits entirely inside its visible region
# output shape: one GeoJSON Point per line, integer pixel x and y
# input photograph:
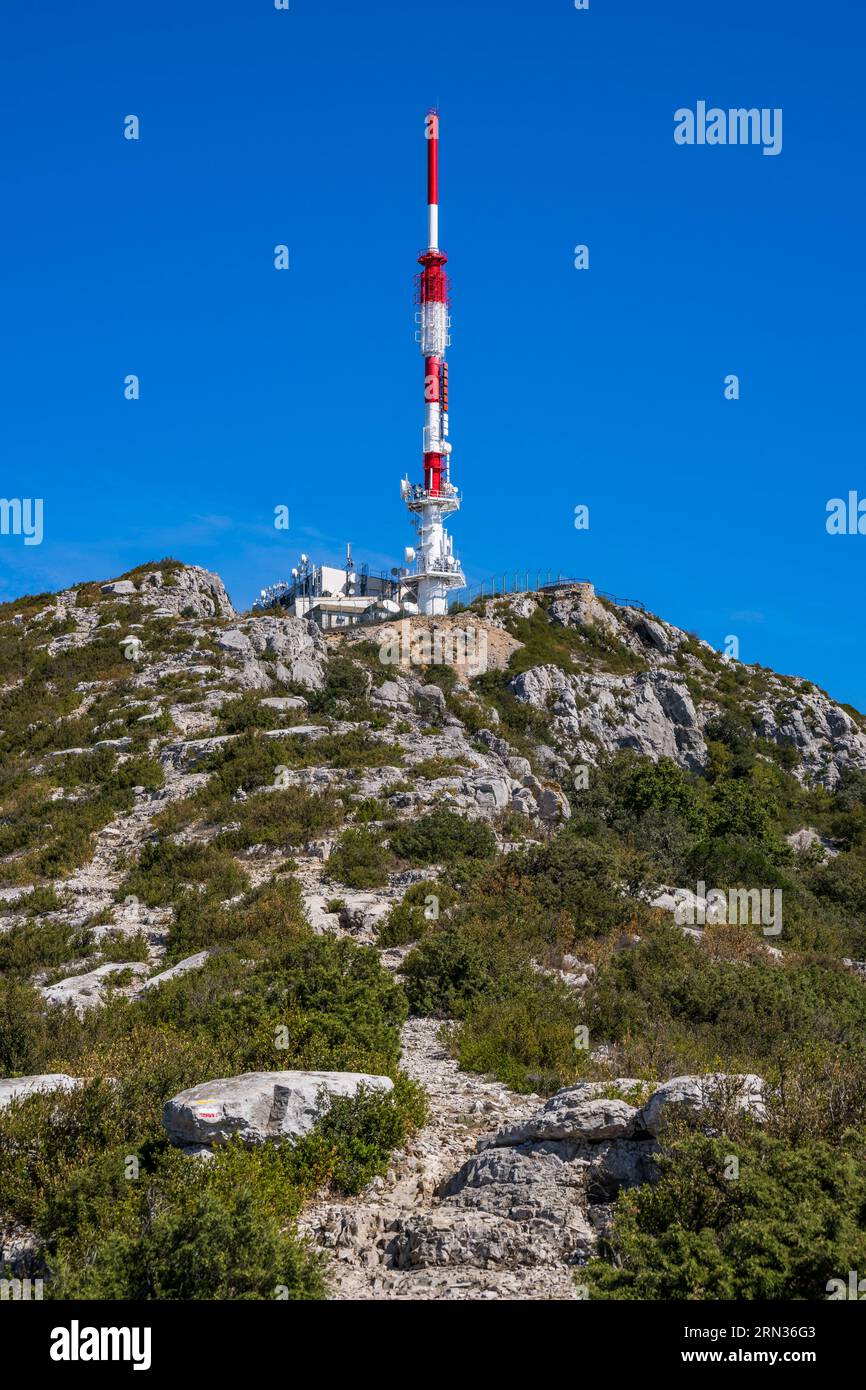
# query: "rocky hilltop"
{"type": "Point", "coordinates": [204, 812]}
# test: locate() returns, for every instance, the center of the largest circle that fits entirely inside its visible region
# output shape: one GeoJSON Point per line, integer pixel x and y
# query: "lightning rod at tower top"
{"type": "Point", "coordinates": [436, 569]}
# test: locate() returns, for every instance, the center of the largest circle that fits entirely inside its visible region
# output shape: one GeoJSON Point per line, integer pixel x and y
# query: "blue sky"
{"type": "Point", "coordinates": [602, 387]}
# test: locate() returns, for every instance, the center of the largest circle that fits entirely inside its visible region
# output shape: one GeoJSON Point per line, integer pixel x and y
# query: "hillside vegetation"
{"type": "Point", "coordinates": [421, 874]}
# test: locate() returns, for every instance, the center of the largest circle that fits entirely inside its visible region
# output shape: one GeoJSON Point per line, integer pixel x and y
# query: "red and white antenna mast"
{"type": "Point", "coordinates": [437, 571]}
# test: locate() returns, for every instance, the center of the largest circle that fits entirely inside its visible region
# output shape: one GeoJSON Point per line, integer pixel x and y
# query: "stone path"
{"type": "Point", "coordinates": [359, 1236]}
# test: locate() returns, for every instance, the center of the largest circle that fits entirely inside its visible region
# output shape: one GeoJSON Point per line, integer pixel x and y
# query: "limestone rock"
{"type": "Point", "coordinates": [652, 712]}
{"type": "Point", "coordinates": [259, 1105]}
{"type": "Point", "coordinates": [745, 1092]}
{"type": "Point", "coordinates": [491, 794]}
{"type": "Point", "coordinates": [430, 703]}
{"type": "Point", "coordinates": [285, 704]}
{"type": "Point", "coordinates": [394, 694]}
{"type": "Point", "coordinates": [235, 642]}
{"type": "Point", "coordinates": [174, 972]}
{"type": "Point", "coordinates": [186, 592]}
{"type": "Point", "coordinates": [87, 991]}
{"type": "Point", "coordinates": [827, 738]}
{"type": "Point", "coordinates": [578, 1113]}
{"type": "Point", "coordinates": [802, 841]}
{"type": "Point", "coordinates": [286, 648]}
{"type": "Point", "coordinates": [20, 1086]}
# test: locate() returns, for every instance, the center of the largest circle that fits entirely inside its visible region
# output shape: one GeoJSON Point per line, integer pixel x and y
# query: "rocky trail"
{"type": "Point", "coordinates": [368, 1242]}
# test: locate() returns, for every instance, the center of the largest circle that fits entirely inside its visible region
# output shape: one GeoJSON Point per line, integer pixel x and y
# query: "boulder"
{"type": "Point", "coordinates": [297, 644]}
{"type": "Point", "coordinates": [524, 802]}
{"type": "Point", "coordinates": [802, 841]}
{"type": "Point", "coordinates": [16, 1086]}
{"type": "Point", "coordinates": [394, 695]}
{"type": "Point", "coordinates": [494, 743]}
{"type": "Point", "coordinates": [652, 634]}
{"type": "Point", "coordinates": [553, 804]}
{"type": "Point", "coordinates": [568, 1117]}
{"type": "Point", "coordinates": [285, 703]}
{"type": "Point", "coordinates": [235, 642]}
{"type": "Point", "coordinates": [362, 912]}
{"type": "Point", "coordinates": [430, 704]}
{"type": "Point", "coordinates": [490, 794]}
{"type": "Point", "coordinates": [259, 1105]}
{"type": "Point", "coordinates": [118, 586]}
{"type": "Point", "coordinates": [579, 1112]}
{"type": "Point", "coordinates": [186, 754]}
{"type": "Point", "coordinates": [745, 1092]}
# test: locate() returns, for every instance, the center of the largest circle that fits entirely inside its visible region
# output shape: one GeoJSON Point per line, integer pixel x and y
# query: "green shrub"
{"type": "Point", "coordinates": [33, 946]}
{"type": "Point", "coordinates": [345, 691]}
{"type": "Point", "coordinates": [451, 971]}
{"type": "Point", "coordinates": [120, 946]}
{"type": "Point", "coordinates": [369, 809]}
{"type": "Point", "coordinates": [441, 836]}
{"type": "Point", "coordinates": [432, 768]}
{"type": "Point", "coordinates": [205, 1248]}
{"type": "Point", "coordinates": [527, 1042]}
{"type": "Point", "coordinates": [403, 923]}
{"type": "Point", "coordinates": [422, 904]}
{"type": "Point", "coordinates": [793, 1220]}
{"type": "Point", "coordinates": [282, 819]}
{"type": "Point", "coordinates": [248, 712]}
{"type": "Point", "coordinates": [353, 1142]}
{"type": "Point", "coordinates": [359, 860]}
{"type": "Point", "coordinates": [165, 870]}
{"type": "Point", "coordinates": [673, 1008]}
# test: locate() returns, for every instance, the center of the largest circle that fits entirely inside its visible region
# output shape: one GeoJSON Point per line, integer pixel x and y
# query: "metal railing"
{"type": "Point", "coordinates": [530, 581]}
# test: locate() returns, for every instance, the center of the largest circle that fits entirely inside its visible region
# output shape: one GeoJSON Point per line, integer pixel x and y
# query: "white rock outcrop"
{"type": "Point", "coordinates": [259, 1105]}
{"type": "Point", "coordinates": [87, 991]}
{"type": "Point", "coordinates": [13, 1088]}
{"type": "Point", "coordinates": [651, 712]}
{"type": "Point", "coordinates": [744, 1092]}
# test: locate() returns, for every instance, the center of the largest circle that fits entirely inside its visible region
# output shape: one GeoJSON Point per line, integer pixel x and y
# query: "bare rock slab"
{"type": "Point", "coordinates": [18, 1086]}
{"type": "Point", "coordinates": [745, 1093]}
{"type": "Point", "coordinates": [260, 1105]}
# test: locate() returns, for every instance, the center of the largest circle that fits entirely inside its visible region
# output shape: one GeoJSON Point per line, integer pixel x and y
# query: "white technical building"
{"type": "Point", "coordinates": [334, 597]}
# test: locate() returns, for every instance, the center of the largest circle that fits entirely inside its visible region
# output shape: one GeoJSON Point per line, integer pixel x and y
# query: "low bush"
{"type": "Point", "coordinates": [793, 1220]}
{"type": "Point", "coordinates": [359, 860]}
{"type": "Point", "coordinates": [165, 870]}
{"type": "Point", "coordinates": [442, 836]}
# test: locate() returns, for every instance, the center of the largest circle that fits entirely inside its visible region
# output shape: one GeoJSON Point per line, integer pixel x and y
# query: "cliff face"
{"type": "Point", "coordinates": [158, 746]}
{"type": "Point", "coordinates": [665, 708]}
